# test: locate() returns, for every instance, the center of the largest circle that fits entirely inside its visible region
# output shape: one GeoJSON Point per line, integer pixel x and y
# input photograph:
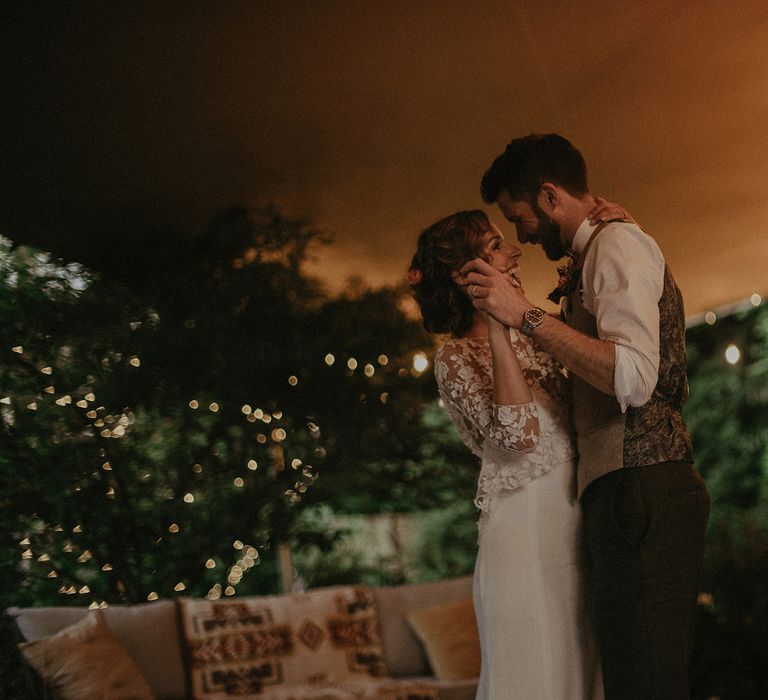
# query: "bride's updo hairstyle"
{"type": "Point", "coordinates": [443, 249]}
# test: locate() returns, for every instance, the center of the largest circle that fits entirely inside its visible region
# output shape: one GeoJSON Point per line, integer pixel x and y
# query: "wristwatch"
{"type": "Point", "coordinates": [532, 318]}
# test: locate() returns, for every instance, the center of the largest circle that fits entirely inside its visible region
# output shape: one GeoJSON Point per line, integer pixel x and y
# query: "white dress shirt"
{"type": "Point", "coordinates": [622, 281]}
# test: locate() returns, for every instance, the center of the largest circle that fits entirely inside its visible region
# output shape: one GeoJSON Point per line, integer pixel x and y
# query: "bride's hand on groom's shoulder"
{"type": "Point", "coordinates": [606, 211]}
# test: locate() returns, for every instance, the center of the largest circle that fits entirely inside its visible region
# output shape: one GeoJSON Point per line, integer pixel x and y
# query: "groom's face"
{"type": "Point", "coordinates": [532, 225]}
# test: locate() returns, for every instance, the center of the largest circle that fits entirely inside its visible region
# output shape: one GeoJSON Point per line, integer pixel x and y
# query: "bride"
{"type": "Point", "coordinates": [508, 402]}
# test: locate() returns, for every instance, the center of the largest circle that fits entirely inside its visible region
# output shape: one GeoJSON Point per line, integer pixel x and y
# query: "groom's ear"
{"type": "Point", "coordinates": [548, 197]}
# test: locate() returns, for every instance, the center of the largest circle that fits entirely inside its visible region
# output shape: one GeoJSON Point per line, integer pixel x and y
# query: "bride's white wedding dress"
{"type": "Point", "coordinates": [535, 636]}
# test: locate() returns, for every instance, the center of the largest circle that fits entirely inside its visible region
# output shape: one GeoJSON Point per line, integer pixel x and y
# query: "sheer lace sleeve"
{"type": "Point", "coordinates": [466, 387]}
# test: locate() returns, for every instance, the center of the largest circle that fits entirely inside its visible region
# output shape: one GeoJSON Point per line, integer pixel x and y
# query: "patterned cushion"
{"type": "Point", "coordinates": [239, 647]}
{"type": "Point", "coordinates": [383, 689]}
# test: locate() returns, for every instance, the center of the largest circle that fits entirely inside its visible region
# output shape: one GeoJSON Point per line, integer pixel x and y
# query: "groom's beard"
{"type": "Point", "coordinates": [548, 234]}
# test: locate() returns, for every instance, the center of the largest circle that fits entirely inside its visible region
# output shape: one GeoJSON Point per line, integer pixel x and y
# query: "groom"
{"type": "Point", "coordinates": [622, 339]}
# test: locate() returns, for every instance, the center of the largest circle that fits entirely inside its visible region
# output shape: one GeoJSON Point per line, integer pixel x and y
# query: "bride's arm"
{"type": "Point", "coordinates": [472, 397]}
{"type": "Point", "coordinates": [509, 385]}
{"type": "Point", "coordinates": [512, 399]}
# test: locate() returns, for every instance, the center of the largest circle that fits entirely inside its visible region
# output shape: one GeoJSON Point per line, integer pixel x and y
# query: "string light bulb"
{"type": "Point", "coordinates": [420, 362]}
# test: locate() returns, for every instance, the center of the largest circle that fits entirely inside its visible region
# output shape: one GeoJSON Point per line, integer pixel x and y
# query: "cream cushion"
{"type": "Point", "coordinates": [449, 634]}
{"type": "Point", "coordinates": [149, 632]}
{"type": "Point", "coordinates": [86, 660]}
{"type": "Point", "coordinates": [404, 653]}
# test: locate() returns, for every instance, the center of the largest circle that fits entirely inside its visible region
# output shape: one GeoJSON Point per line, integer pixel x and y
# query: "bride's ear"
{"type": "Point", "coordinates": [458, 278]}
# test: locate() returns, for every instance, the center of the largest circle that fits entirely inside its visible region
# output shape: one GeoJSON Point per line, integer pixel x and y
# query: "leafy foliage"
{"type": "Point", "coordinates": [159, 439]}
{"type": "Point", "coordinates": [728, 416]}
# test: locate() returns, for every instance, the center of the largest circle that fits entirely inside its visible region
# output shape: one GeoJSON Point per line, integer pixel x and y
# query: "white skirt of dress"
{"type": "Point", "coordinates": [536, 639]}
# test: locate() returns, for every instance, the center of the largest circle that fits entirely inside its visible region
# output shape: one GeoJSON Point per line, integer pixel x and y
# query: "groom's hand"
{"type": "Point", "coordinates": [496, 293]}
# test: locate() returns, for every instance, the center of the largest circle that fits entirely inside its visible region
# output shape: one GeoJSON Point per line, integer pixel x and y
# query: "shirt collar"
{"type": "Point", "coordinates": [581, 236]}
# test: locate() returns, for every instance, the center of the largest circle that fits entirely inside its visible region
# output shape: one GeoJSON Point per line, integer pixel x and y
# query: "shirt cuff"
{"type": "Point", "coordinates": [634, 378]}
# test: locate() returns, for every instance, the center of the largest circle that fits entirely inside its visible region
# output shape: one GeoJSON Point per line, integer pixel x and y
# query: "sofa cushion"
{"type": "Point", "coordinates": [374, 689]}
{"type": "Point", "coordinates": [404, 653]}
{"type": "Point", "coordinates": [449, 635]}
{"type": "Point", "coordinates": [377, 689]}
{"type": "Point", "coordinates": [241, 646]}
{"type": "Point", "coordinates": [464, 689]}
{"type": "Point", "coordinates": [149, 632]}
{"type": "Point", "coordinates": [86, 660]}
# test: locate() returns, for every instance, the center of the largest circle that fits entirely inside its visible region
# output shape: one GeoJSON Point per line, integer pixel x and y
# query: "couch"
{"type": "Point", "coordinates": [418, 630]}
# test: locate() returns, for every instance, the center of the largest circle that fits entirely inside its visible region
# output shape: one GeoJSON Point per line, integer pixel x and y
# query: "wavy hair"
{"type": "Point", "coordinates": [442, 250]}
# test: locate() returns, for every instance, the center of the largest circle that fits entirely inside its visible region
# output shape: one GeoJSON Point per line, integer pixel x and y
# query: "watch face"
{"type": "Point", "coordinates": [534, 316]}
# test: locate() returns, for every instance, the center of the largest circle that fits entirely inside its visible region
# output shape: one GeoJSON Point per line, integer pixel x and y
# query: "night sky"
{"type": "Point", "coordinates": [376, 118]}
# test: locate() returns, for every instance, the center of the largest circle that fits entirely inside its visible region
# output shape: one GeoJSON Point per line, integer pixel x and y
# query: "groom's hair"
{"type": "Point", "coordinates": [528, 162]}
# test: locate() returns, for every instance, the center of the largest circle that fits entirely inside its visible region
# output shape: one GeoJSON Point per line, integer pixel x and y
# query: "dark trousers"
{"type": "Point", "coordinates": [644, 542]}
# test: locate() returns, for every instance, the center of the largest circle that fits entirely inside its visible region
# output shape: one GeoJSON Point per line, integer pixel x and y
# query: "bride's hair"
{"type": "Point", "coordinates": [442, 250]}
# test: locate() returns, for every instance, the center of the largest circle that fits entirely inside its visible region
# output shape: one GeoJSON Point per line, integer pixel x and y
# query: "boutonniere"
{"type": "Point", "coordinates": [568, 279]}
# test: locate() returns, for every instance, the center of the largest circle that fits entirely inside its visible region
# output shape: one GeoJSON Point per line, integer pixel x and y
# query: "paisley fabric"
{"type": "Point", "coordinates": [656, 432]}
{"type": "Point", "coordinates": [515, 443]}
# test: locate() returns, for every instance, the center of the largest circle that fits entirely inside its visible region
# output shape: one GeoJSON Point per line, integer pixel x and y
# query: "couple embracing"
{"type": "Point", "coordinates": [592, 515]}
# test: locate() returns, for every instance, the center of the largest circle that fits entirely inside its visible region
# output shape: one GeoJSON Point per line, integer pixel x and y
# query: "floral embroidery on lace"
{"type": "Point", "coordinates": [515, 443]}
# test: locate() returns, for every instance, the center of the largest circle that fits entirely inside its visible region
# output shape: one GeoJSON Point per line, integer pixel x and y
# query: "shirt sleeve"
{"type": "Point", "coordinates": [623, 282]}
{"type": "Point", "coordinates": [467, 392]}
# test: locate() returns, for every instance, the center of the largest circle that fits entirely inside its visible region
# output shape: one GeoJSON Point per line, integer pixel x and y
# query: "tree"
{"type": "Point", "coordinates": [160, 438]}
{"type": "Point", "coordinates": [151, 441]}
{"type": "Point", "coordinates": [728, 416]}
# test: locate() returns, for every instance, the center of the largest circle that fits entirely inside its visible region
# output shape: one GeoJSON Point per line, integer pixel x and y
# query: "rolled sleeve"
{"type": "Point", "coordinates": [624, 280]}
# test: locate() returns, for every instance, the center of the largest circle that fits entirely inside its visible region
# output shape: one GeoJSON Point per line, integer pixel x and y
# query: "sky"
{"type": "Point", "coordinates": [374, 119]}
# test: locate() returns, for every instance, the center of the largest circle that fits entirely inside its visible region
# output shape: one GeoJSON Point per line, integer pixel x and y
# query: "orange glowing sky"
{"type": "Point", "coordinates": [376, 118]}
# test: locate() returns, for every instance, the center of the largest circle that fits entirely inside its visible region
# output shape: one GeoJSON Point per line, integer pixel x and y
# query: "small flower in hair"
{"type": "Point", "coordinates": [415, 276]}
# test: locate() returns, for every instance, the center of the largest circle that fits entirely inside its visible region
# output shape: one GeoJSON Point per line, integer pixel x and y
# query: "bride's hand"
{"type": "Point", "coordinates": [605, 211]}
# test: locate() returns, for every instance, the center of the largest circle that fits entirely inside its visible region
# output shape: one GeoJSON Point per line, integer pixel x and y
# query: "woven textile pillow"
{"type": "Point", "coordinates": [380, 689]}
{"type": "Point", "coordinates": [239, 647]}
{"type": "Point", "coordinates": [86, 660]}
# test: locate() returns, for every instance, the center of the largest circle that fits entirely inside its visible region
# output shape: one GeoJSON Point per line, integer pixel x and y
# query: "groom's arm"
{"type": "Point", "coordinates": [592, 359]}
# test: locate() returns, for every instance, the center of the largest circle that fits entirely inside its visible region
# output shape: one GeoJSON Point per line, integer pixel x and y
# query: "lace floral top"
{"type": "Point", "coordinates": [515, 443]}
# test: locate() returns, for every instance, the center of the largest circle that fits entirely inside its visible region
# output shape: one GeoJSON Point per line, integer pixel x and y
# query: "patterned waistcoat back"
{"type": "Point", "coordinates": [649, 434]}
